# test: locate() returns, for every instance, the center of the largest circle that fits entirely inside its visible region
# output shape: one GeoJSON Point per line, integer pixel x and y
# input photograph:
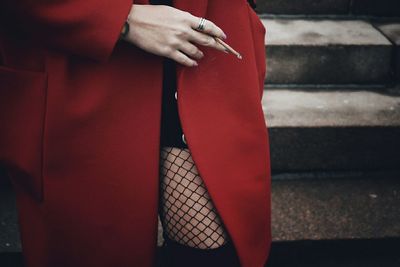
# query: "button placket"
{"type": "Point", "coordinates": [183, 135]}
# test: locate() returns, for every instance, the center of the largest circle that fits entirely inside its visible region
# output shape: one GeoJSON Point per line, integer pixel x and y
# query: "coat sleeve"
{"type": "Point", "coordinates": [89, 28]}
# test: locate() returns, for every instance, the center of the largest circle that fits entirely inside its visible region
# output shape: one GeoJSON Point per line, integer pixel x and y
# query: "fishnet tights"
{"type": "Point", "coordinates": [187, 213]}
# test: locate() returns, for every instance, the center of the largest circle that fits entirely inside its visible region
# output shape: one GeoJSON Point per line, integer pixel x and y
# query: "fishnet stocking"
{"type": "Point", "coordinates": [187, 213]}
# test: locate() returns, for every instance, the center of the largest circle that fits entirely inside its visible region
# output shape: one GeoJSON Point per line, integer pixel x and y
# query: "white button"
{"type": "Point", "coordinates": [176, 95]}
{"type": "Point", "coordinates": [183, 138]}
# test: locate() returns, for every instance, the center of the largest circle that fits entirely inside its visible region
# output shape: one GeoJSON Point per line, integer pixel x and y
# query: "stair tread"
{"type": "Point", "coordinates": [321, 32]}
{"type": "Point", "coordinates": [327, 51]}
{"type": "Point", "coordinates": [306, 108]}
{"type": "Point", "coordinates": [335, 208]}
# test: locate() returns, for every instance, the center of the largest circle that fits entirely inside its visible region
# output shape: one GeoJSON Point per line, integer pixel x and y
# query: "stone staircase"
{"type": "Point", "coordinates": [332, 105]}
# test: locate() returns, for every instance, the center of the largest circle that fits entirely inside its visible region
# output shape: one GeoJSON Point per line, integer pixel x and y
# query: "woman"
{"type": "Point", "coordinates": [85, 141]}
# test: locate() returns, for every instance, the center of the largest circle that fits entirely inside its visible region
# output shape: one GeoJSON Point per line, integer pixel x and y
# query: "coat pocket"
{"type": "Point", "coordinates": [22, 117]}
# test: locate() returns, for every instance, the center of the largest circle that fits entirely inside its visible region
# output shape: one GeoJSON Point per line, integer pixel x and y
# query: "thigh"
{"type": "Point", "coordinates": [187, 212]}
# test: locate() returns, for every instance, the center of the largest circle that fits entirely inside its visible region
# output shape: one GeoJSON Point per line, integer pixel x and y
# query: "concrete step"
{"type": "Point", "coordinates": [333, 130]}
{"type": "Point", "coordinates": [381, 8]}
{"type": "Point", "coordinates": [321, 51]}
{"type": "Point", "coordinates": [320, 208]}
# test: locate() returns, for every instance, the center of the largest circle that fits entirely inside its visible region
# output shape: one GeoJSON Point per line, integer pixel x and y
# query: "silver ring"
{"type": "Point", "coordinates": [201, 24]}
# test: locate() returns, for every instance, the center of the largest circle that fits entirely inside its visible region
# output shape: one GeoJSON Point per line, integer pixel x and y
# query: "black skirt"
{"type": "Point", "coordinates": [171, 130]}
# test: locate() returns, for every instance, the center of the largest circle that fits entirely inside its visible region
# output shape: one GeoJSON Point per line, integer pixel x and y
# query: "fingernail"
{"type": "Point", "coordinates": [224, 36]}
{"type": "Point", "coordinates": [195, 64]}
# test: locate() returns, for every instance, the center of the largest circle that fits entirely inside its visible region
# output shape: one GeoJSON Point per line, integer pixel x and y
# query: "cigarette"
{"type": "Point", "coordinates": [228, 48]}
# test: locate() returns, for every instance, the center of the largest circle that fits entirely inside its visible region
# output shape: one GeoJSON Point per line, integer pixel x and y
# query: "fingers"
{"type": "Point", "coordinates": [186, 53]}
{"type": "Point", "coordinates": [191, 50]}
{"type": "Point", "coordinates": [209, 27]}
{"type": "Point", "coordinates": [206, 40]}
{"type": "Point", "coordinates": [183, 59]}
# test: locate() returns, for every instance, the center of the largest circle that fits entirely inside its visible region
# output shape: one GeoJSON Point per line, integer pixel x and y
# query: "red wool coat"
{"type": "Point", "coordinates": [80, 115]}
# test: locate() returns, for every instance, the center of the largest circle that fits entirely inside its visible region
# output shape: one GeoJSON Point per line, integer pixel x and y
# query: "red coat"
{"type": "Point", "coordinates": [80, 117]}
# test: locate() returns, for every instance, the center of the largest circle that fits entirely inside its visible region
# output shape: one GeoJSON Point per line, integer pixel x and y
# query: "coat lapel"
{"type": "Point", "coordinates": [224, 125]}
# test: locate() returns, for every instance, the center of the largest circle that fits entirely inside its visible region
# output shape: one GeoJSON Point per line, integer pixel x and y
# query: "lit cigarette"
{"type": "Point", "coordinates": [228, 48]}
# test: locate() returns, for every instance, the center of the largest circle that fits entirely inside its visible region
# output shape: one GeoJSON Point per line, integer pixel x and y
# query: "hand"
{"type": "Point", "coordinates": [170, 32]}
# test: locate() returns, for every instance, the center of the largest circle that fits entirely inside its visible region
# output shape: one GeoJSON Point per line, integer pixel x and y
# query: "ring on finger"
{"type": "Point", "coordinates": [201, 24]}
